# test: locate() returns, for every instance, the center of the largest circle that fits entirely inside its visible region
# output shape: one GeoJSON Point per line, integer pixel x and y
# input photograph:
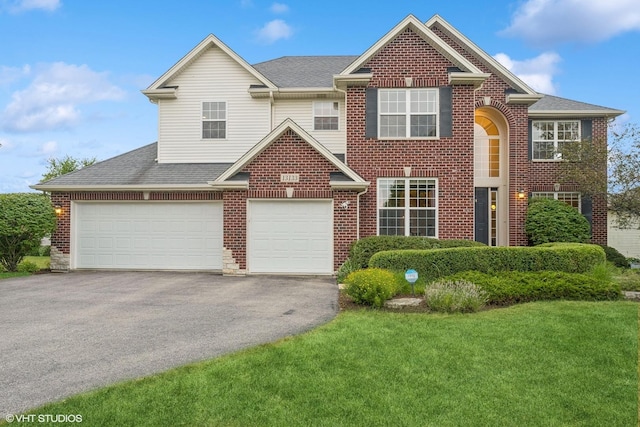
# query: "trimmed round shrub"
{"type": "Point", "coordinates": [513, 287]}
{"type": "Point", "coordinates": [615, 257]}
{"type": "Point", "coordinates": [459, 296]}
{"type": "Point", "coordinates": [362, 250]}
{"type": "Point", "coordinates": [550, 220]}
{"type": "Point", "coordinates": [372, 286]}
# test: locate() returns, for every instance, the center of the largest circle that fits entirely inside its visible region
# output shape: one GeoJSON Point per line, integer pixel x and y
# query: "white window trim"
{"type": "Point", "coordinates": [555, 196]}
{"type": "Point", "coordinates": [557, 157]}
{"type": "Point", "coordinates": [226, 120]}
{"type": "Point", "coordinates": [408, 115]}
{"type": "Point", "coordinates": [313, 115]}
{"type": "Point", "coordinates": [407, 208]}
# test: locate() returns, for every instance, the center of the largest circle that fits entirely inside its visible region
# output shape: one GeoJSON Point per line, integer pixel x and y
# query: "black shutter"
{"type": "Point", "coordinates": [446, 113]}
{"type": "Point", "coordinates": [587, 129]}
{"type": "Point", "coordinates": [371, 113]}
{"type": "Point", "coordinates": [530, 140]}
{"type": "Point", "coordinates": [587, 208]}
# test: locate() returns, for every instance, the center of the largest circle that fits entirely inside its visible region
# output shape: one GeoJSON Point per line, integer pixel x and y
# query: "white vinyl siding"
{"type": "Point", "coordinates": [301, 112]}
{"type": "Point", "coordinates": [211, 77]}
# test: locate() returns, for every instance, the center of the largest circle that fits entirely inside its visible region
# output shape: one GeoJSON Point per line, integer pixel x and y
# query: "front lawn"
{"type": "Point", "coordinates": [42, 262]}
{"type": "Point", "coordinates": [544, 363]}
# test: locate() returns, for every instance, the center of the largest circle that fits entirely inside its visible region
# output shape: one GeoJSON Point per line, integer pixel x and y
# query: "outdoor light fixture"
{"type": "Point", "coordinates": [521, 194]}
{"type": "Point", "coordinates": [57, 209]}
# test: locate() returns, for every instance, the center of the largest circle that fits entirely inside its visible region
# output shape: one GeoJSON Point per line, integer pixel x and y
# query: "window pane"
{"type": "Point", "coordinates": [393, 126]}
{"type": "Point", "coordinates": [391, 222]}
{"type": "Point", "coordinates": [542, 131]}
{"type": "Point", "coordinates": [213, 130]}
{"type": "Point", "coordinates": [393, 101]}
{"type": "Point", "coordinates": [423, 101]}
{"type": "Point", "coordinates": [543, 150]}
{"type": "Point", "coordinates": [422, 223]}
{"type": "Point", "coordinates": [213, 111]}
{"type": "Point", "coordinates": [423, 126]}
{"type": "Point", "coordinates": [391, 193]}
{"type": "Point", "coordinates": [325, 123]}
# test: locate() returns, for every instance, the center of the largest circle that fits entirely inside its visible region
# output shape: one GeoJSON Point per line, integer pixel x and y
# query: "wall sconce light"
{"type": "Point", "coordinates": [521, 194]}
{"type": "Point", "coordinates": [58, 210]}
{"type": "Point", "coordinates": [345, 204]}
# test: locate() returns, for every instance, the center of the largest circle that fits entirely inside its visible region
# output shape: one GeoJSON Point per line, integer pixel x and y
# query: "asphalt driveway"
{"type": "Point", "coordinates": [61, 334]}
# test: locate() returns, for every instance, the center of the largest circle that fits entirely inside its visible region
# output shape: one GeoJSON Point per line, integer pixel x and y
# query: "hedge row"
{"type": "Point", "coordinates": [517, 287]}
{"type": "Point", "coordinates": [362, 250]}
{"type": "Point", "coordinates": [433, 264]}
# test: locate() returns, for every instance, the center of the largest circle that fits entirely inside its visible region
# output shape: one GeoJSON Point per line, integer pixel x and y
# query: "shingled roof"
{"type": "Point", "coordinates": [554, 104]}
{"type": "Point", "coordinates": [138, 168]}
{"type": "Point", "coordinates": [304, 71]}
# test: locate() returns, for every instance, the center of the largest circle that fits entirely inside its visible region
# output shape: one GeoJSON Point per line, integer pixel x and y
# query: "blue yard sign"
{"type": "Point", "coordinates": [411, 276]}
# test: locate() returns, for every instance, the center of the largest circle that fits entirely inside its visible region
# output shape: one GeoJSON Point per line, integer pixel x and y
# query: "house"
{"type": "Point", "coordinates": [278, 167]}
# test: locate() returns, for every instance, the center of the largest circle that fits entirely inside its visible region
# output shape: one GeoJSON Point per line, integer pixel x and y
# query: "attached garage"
{"type": "Point", "coordinates": [290, 236]}
{"type": "Point", "coordinates": [150, 235]}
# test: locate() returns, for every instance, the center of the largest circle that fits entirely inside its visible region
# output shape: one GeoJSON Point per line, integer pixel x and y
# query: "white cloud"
{"type": "Point", "coordinates": [48, 148]}
{"type": "Point", "coordinates": [537, 72]}
{"type": "Point", "coordinates": [279, 8]}
{"type": "Point", "coordinates": [51, 100]}
{"type": "Point", "coordinates": [11, 74]}
{"type": "Point", "coordinates": [550, 22]}
{"type": "Point", "coordinates": [17, 6]}
{"type": "Point", "coordinates": [274, 31]}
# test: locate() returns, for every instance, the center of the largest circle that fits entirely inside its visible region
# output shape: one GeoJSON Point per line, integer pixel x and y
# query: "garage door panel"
{"type": "Point", "coordinates": [290, 237]}
{"type": "Point", "coordinates": [149, 235]}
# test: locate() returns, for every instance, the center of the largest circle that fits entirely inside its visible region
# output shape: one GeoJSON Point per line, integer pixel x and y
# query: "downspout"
{"type": "Point", "coordinates": [358, 212]}
{"type": "Point", "coordinates": [271, 107]}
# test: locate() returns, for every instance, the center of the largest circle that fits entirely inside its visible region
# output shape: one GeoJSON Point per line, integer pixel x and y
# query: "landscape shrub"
{"type": "Point", "coordinates": [455, 296]}
{"type": "Point", "coordinates": [550, 220]}
{"type": "Point", "coordinates": [362, 250]}
{"type": "Point", "coordinates": [28, 267]}
{"type": "Point", "coordinates": [433, 264]}
{"type": "Point", "coordinates": [372, 286]}
{"type": "Point", "coordinates": [615, 257]}
{"type": "Point", "coordinates": [512, 287]}
{"type": "Point", "coordinates": [345, 269]}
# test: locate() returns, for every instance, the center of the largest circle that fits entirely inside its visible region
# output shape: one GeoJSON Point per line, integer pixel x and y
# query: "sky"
{"type": "Point", "coordinates": [71, 71]}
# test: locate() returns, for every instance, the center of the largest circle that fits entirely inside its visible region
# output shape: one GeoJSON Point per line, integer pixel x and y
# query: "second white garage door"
{"type": "Point", "coordinates": [290, 236]}
{"type": "Point", "coordinates": [151, 235]}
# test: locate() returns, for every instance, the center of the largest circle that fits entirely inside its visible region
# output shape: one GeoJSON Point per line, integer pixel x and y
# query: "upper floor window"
{"type": "Point", "coordinates": [214, 120]}
{"type": "Point", "coordinates": [549, 137]}
{"type": "Point", "coordinates": [569, 197]}
{"type": "Point", "coordinates": [326, 115]}
{"type": "Point", "coordinates": [408, 113]}
{"type": "Point", "coordinates": [407, 207]}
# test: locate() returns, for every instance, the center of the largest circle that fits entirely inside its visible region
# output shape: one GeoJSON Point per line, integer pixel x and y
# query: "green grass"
{"type": "Point", "coordinates": [552, 363]}
{"type": "Point", "coordinates": [41, 261]}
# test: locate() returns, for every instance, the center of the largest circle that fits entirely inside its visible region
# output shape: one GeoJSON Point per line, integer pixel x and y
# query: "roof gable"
{"type": "Point", "coordinates": [226, 179]}
{"type": "Point", "coordinates": [512, 79]}
{"type": "Point", "coordinates": [159, 87]}
{"type": "Point", "coordinates": [423, 31]}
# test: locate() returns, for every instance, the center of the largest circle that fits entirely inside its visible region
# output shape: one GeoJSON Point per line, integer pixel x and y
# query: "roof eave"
{"type": "Point", "coordinates": [523, 98]}
{"type": "Point", "coordinates": [295, 92]}
{"type": "Point", "coordinates": [574, 113]}
{"type": "Point", "coordinates": [349, 185]}
{"type": "Point", "coordinates": [124, 187]}
{"type": "Point", "coordinates": [161, 93]}
{"type": "Point", "coordinates": [356, 79]}
{"type": "Point", "coordinates": [229, 185]}
{"type": "Point", "coordinates": [462, 78]}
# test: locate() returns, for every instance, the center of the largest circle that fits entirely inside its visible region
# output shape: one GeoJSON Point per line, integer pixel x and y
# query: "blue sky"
{"type": "Point", "coordinates": [71, 71]}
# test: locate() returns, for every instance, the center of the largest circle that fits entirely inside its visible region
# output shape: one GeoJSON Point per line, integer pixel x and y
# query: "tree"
{"type": "Point", "coordinates": [586, 163]}
{"type": "Point", "coordinates": [25, 218]}
{"type": "Point", "coordinates": [57, 167]}
{"type": "Point", "coordinates": [550, 220]}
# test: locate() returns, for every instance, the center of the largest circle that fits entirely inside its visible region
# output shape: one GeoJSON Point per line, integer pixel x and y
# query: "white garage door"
{"type": "Point", "coordinates": [290, 236]}
{"type": "Point", "coordinates": [151, 235]}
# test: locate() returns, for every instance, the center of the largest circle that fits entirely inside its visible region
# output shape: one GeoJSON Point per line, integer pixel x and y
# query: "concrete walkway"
{"type": "Point", "coordinates": [62, 334]}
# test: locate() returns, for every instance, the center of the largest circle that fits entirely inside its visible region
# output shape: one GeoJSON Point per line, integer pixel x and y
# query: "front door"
{"type": "Point", "coordinates": [486, 215]}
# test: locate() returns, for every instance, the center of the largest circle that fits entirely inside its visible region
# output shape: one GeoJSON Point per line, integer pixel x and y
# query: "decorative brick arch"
{"type": "Point", "coordinates": [506, 111]}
